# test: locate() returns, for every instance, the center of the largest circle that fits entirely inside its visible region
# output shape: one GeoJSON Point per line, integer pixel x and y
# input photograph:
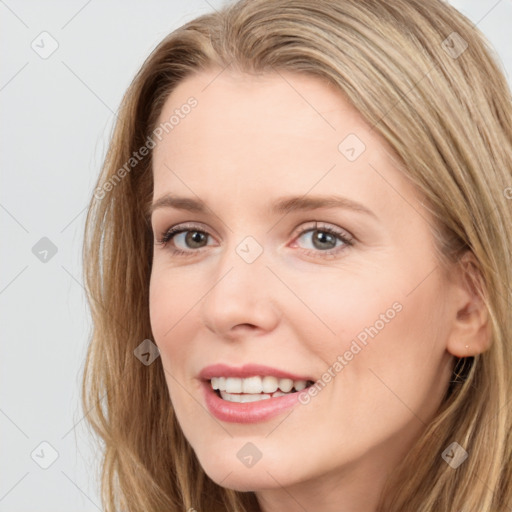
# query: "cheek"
{"type": "Point", "coordinates": [160, 305]}
{"type": "Point", "coordinates": [170, 309]}
{"type": "Point", "coordinates": [170, 304]}
{"type": "Point", "coordinates": [336, 308]}
{"type": "Point", "coordinates": [172, 295]}
{"type": "Point", "coordinates": [380, 332]}
{"type": "Point", "coordinates": [392, 358]}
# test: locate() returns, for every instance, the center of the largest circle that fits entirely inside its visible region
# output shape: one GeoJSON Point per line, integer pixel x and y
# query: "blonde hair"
{"type": "Point", "coordinates": [444, 109]}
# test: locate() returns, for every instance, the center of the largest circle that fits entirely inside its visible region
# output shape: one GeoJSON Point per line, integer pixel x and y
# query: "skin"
{"type": "Point", "coordinates": [250, 140]}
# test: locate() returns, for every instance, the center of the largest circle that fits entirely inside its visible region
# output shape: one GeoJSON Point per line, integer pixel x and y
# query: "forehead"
{"type": "Point", "coordinates": [294, 104]}
{"type": "Point", "coordinates": [264, 131]}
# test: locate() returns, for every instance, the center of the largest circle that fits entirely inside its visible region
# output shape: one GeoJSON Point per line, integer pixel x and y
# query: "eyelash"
{"type": "Point", "coordinates": [168, 235]}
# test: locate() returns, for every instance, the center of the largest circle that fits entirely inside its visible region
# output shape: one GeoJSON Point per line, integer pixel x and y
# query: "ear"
{"type": "Point", "coordinates": [471, 331]}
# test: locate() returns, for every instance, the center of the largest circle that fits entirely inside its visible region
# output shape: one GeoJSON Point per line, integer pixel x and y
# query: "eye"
{"type": "Point", "coordinates": [191, 237]}
{"type": "Point", "coordinates": [325, 240]}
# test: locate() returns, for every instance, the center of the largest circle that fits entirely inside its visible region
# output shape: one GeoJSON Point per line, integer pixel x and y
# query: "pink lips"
{"type": "Point", "coordinates": [249, 412]}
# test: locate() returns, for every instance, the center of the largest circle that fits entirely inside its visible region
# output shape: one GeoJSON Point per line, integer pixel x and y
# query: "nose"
{"type": "Point", "coordinates": [242, 298]}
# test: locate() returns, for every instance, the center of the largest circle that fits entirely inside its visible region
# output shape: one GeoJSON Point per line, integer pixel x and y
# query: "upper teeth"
{"type": "Point", "coordinates": [267, 384]}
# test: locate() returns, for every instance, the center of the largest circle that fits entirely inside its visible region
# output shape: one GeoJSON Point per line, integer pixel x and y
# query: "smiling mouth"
{"type": "Point", "coordinates": [256, 388]}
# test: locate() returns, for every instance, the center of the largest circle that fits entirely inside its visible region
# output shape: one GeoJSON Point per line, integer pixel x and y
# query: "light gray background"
{"type": "Point", "coordinates": [57, 114]}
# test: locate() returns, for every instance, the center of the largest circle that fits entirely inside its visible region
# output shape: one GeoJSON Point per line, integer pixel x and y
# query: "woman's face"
{"type": "Point", "coordinates": [272, 284]}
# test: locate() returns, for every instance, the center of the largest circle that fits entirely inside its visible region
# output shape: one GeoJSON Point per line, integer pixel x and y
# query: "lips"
{"type": "Point", "coordinates": [251, 393]}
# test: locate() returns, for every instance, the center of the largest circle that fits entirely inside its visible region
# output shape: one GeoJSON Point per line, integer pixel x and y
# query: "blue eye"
{"type": "Point", "coordinates": [195, 239]}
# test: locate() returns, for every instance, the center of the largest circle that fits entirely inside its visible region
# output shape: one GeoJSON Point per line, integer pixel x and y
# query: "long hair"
{"type": "Point", "coordinates": [426, 80]}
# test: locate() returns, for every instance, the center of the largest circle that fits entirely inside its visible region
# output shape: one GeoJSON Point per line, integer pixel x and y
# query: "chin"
{"type": "Point", "coordinates": [230, 472]}
{"type": "Point", "coordinates": [245, 480]}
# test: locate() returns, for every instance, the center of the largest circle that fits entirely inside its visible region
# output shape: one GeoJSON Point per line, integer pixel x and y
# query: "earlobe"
{"type": "Point", "coordinates": [471, 332]}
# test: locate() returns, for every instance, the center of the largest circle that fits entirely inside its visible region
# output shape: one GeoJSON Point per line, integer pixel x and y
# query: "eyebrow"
{"type": "Point", "coordinates": [282, 205]}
